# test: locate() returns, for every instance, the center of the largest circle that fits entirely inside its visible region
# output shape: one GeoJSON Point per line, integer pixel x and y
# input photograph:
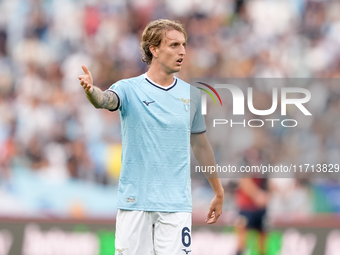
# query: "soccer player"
{"type": "Point", "coordinates": [252, 198]}
{"type": "Point", "coordinates": [154, 193]}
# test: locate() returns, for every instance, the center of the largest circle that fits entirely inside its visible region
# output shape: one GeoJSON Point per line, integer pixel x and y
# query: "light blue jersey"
{"type": "Point", "coordinates": [156, 125]}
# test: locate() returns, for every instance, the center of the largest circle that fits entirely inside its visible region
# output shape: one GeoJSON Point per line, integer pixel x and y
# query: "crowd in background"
{"type": "Point", "coordinates": [48, 127]}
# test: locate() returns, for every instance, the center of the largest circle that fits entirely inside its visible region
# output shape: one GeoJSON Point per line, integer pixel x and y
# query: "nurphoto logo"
{"type": "Point", "coordinates": [280, 96]}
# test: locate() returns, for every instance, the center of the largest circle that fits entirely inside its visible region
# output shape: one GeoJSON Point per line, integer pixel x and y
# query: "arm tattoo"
{"type": "Point", "coordinates": [110, 100]}
{"type": "Point", "coordinates": [106, 100]}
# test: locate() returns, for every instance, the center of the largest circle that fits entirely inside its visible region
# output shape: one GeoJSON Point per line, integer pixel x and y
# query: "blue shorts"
{"type": "Point", "coordinates": [255, 219]}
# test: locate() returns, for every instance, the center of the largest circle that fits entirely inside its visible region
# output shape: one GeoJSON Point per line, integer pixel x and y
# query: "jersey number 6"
{"type": "Point", "coordinates": [186, 238]}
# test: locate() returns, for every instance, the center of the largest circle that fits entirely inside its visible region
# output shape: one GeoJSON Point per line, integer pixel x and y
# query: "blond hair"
{"type": "Point", "coordinates": [153, 34]}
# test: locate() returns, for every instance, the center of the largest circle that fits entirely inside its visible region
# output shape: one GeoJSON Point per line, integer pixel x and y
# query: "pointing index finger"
{"type": "Point", "coordinates": [86, 71]}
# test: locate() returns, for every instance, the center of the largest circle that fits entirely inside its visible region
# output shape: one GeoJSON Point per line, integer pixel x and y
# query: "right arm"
{"type": "Point", "coordinates": [99, 99]}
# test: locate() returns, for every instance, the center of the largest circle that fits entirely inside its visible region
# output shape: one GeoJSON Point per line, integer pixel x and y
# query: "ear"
{"type": "Point", "coordinates": [154, 50]}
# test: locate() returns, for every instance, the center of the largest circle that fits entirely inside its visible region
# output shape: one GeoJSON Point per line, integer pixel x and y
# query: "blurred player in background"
{"type": "Point", "coordinates": [252, 198]}
{"type": "Point", "coordinates": [154, 194]}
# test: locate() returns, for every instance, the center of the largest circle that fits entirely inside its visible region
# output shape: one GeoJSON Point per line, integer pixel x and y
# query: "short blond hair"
{"type": "Point", "coordinates": [153, 34]}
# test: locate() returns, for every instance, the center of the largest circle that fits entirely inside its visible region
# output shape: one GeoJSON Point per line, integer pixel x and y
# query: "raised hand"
{"type": "Point", "coordinates": [99, 99]}
{"type": "Point", "coordinates": [86, 80]}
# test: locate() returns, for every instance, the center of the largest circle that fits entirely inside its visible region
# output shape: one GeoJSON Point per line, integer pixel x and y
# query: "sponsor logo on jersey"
{"type": "Point", "coordinates": [185, 250]}
{"type": "Point", "coordinates": [147, 103]}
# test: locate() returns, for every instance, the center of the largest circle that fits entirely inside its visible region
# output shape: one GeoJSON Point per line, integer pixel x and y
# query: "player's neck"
{"type": "Point", "coordinates": [160, 77]}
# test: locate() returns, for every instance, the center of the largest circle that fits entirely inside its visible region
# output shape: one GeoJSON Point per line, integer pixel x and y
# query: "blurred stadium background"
{"type": "Point", "coordinates": [60, 157]}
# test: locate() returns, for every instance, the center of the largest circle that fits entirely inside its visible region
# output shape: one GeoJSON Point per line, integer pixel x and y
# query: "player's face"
{"type": "Point", "coordinates": [171, 52]}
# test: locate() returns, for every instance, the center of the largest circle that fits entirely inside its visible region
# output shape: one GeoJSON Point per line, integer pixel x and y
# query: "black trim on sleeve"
{"type": "Point", "coordinates": [199, 132]}
{"type": "Point", "coordinates": [118, 101]}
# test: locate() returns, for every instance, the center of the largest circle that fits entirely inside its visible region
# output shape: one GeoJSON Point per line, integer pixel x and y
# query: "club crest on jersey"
{"type": "Point", "coordinates": [120, 251]}
{"type": "Point", "coordinates": [186, 103]}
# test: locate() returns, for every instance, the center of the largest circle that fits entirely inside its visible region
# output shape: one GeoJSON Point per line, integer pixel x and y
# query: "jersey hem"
{"type": "Point", "coordinates": [152, 210]}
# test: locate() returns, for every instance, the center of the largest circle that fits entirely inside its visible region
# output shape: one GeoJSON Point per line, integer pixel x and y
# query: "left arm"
{"type": "Point", "coordinates": [205, 157]}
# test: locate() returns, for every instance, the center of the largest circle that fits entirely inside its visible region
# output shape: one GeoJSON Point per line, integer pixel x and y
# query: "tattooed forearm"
{"type": "Point", "coordinates": [95, 97]}
{"type": "Point", "coordinates": [100, 99]}
{"type": "Point", "coordinates": [110, 100]}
